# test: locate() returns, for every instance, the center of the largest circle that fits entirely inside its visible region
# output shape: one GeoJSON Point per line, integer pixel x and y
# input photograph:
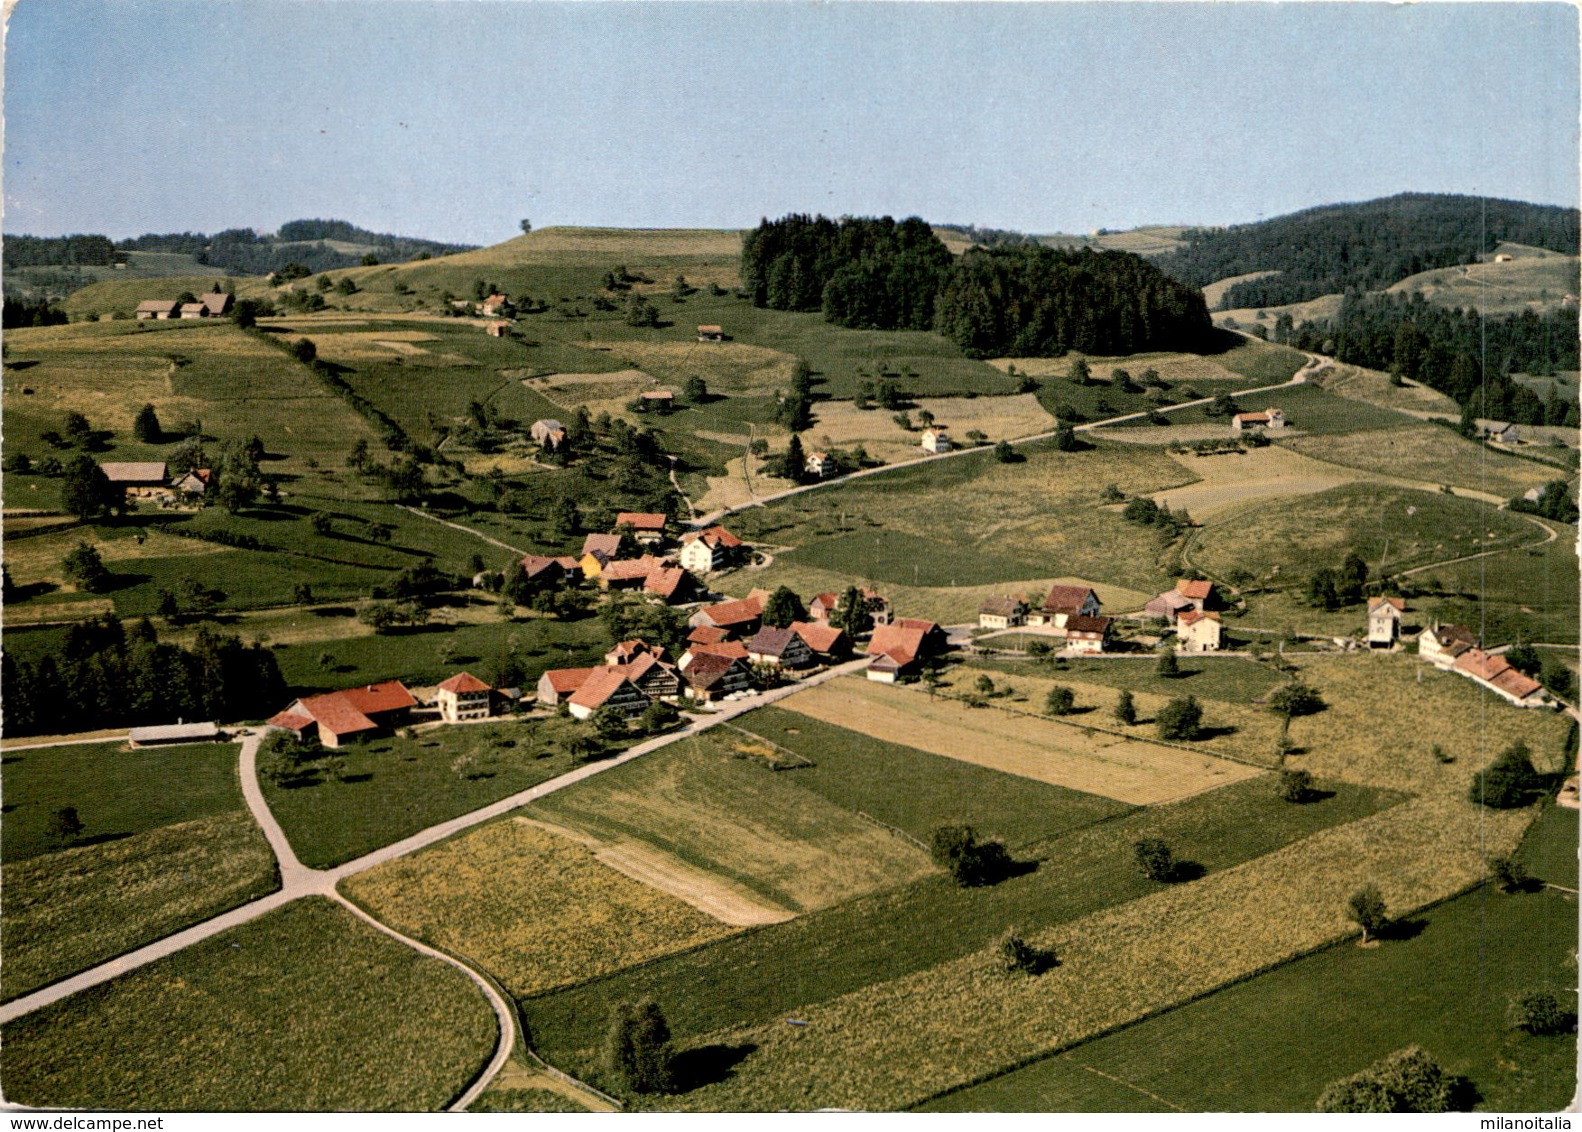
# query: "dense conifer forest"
{"type": "Point", "coordinates": [1341, 247]}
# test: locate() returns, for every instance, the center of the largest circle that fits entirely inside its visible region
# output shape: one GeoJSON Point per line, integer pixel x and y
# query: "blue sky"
{"type": "Point", "coordinates": [454, 119]}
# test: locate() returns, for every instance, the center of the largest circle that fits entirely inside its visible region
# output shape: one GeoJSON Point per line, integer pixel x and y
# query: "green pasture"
{"type": "Point", "coordinates": [1271, 1044]}
{"type": "Point", "coordinates": [763, 973]}
{"type": "Point", "coordinates": [305, 1009]}
{"type": "Point", "coordinates": [386, 789]}
{"type": "Point", "coordinates": [1228, 678]}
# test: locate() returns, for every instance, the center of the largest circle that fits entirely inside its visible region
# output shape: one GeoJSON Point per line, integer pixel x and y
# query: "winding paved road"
{"type": "Point", "coordinates": [298, 880]}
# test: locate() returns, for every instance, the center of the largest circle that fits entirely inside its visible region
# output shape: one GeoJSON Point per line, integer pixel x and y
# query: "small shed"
{"type": "Point", "coordinates": [711, 334]}
{"type": "Point", "coordinates": [174, 733]}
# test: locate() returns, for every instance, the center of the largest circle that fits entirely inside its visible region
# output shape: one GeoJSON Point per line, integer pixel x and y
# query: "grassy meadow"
{"type": "Point", "coordinates": [304, 1009]}
{"type": "Point", "coordinates": [1272, 1043]}
{"type": "Point", "coordinates": [534, 909]}
{"type": "Point", "coordinates": [387, 789]}
{"type": "Point", "coordinates": [1432, 454]}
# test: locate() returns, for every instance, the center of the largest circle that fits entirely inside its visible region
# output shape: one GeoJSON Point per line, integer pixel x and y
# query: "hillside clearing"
{"type": "Point", "coordinates": [840, 424]}
{"type": "Point", "coordinates": [1430, 454]}
{"type": "Point", "coordinates": [1060, 754]}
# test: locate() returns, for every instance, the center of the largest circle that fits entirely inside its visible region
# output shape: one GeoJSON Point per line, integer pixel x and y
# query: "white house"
{"type": "Point", "coordinates": [462, 697]}
{"type": "Point", "coordinates": [936, 440]}
{"type": "Point", "coordinates": [1254, 422]}
{"type": "Point", "coordinates": [1441, 644]}
{"type": "Point", "coordinates": [1087, 634]}
{"type": "Point", "coordinates": [820, 465]}
{"type": "Point", "coordinates": [1197, 631]}
{"type": "Point", "coordinates": [709, 550]}
{"type": "Point", "coordinates": [1384, 621]}
{"type": "Point", "coordinates": [607, 688]}
{"type": "Point", "coordinates": [1002, 613]}
{"type": "Point", "coordinates": [1064, 603]}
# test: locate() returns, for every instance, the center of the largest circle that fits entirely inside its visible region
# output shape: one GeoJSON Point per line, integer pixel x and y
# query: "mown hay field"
{"type": "Point", "coordinates": [304, 1009]}
{"type": "Point", "coordinates": [1272, 1043]}
{"type": "Point", "coordinates": [722, 810]}
{"type": "Point", "coordinates": [915, 790]}
{"type": "Point", "coordinates": [1433, 455]}
{"type": "Point", "coordinates": [840, 424]}
{"type": "Point", "coordinates": [1376, 388]}
{"type": "Point", "coordinates": [1314, 411]}
{"type": "Point", "coordinates": [775, 972]}
{"type": "Point", "coordinates": [1229, 479]}
{"type": "Point", "coordinates": [65, 912]}
{"type": "Point", "coordinates": [894, 1044]}
{"type": "Point", "coordinates": [729, 368]}
{"type": "Point", "coordinates": [1231, 679]}
{"type": "Point", "coordinates": [1390, 527]}
{"type": "Point", "coordinates": [973, 521]}
{"type": "Point", "coordinates": [533, 909]}
{"type": "Point", "coordinates": [1233, 729]}
{"type": "Point", "coordinates": [1060, 753]}
{"type": "Point", "coordinates": [1528, 282]}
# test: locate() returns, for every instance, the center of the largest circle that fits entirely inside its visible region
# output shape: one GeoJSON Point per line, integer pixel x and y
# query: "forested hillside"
{"type": "Point", "coordinates": [1341, 247]}
{"type": "Point", "coordinates": [1030, 302]}
{"type": "Point", "coordinates": [1012, 298]}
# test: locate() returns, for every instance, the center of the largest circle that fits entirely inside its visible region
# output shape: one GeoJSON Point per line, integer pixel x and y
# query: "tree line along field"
{"type": "Point", "coordinates": [164, 842]}
{"type": "Point", "coordinates": [1272, 1043]}
{"type": "Point", "coordinates": [303, 1009]}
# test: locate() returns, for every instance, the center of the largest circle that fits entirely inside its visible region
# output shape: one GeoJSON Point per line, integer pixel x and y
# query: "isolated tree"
{"type": "Point", "coordinates": [1408, 1080]}
{"type": "Point", "coordinates": [1080, 372]}
{"type": "Point", "coordinates": [1181, 718]}
{"type": "Point", "coordinates": [1365, 908]}
{"type": "Point", "coordinates": [1019, 956]}
{"type": "Point", "coordinates": [146, 426]}
{"type": "Point", "coordinates": [1003, 452]}
{"type": "Point", "coordinates": [86, 491]}
{"type": "Point", "coordinates": [85, 569]}
{"type": "Point", "coordinates": [346, 286]}
{"type": "Point", "coordinates": [1509, 873]}
{"type": "Point", "coordinates": [1294, 699]}
{"type": "Point", "coordinates": [783, 607]}
{"type": "Point", "coordinates": [851, 612]}
{"type": "Point", "coordinates": [1126, 709]}
{"type": "Point", "coordinates": [304, 351]}
{"type": "Point", "coordinates": [1540, 1012]}
{"type": "Point", "coordinates": [320, 523]}
{"type": "Point", "coordinates": [695, 390]}
{"type": "Point", "coordinates": [1059, 701]}
{"type": "Point", "coordinates": [1155, 859]}
{"type": "Point", "coordinates": [1168, 665]}
{"type": "Point", "coordinates": [970, 862]}
{"type": "Point", "coordinates": [658, 716]}
{"type": "Point", "coordinates": [1508, 781]}
{"type": "Point", "coordinates": [637, 1050]}
{"type": "Point", "coordinates": [525, 225]}
{"type": "Point", "coordinates": [1559, 679]}
{"type": "Point", "coordinates": [380, 532]}
{"type": "Point", "coordinates": [66, 825]}
{"type": "Point", "coordinates": [1295, 785]}
{"type": "Point", "coordinates": [1066, 439]}
{"type": "Point", "coordinates": [793, 465]}
{"type": "Point", "coordinates": [1525, 659]}
{"type": "Point", "coordinates": [78, 430]}
{"type": "Point", "coordinates": [609, 724]}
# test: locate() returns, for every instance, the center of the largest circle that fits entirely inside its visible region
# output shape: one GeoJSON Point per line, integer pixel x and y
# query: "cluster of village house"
{"type": "Point", "coordinates": [216, 304]}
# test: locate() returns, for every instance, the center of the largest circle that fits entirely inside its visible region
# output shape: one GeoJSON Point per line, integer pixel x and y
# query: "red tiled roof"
{"type": "Point", "coordinates": [666, 581]}
{"type": "Point", "coordinates": [1064, 599]}
{"type": "Point", "coordinates": [707, 635]}
{"type": "Point", "coordinates": [1516, 683]}
{"type": "Point", "coordinates": [335, 713]}
{"type": "Point", "coordinates": [1196, 589]}
{"type": "Point", "coordinates": [375, 698]}
{"type": "Point", "coordinates": [464, 682]}
{"type": "Point", "coordinates": [731, 650]}
{"type": "Point", "coordinates": [294, 721]}
{"type": "Point", "coordinates": [1449, 635]}
{"type": "Point", "coordinates": [899, 642]}
{"type": "Point", "coordinates": [628, 569]}
{"type": "Point", "coordinates": [715, 536]}
{"type": "Point", "coordinates": [630, 649]}
{"type": "Point", "coordinates": [819, 638]}
{"type": "Point", "coordinates": [567, 680]}
{"type": "Point", "coordinates": [642, 520]}
{"type": "Point", "coordinates": [1252, 418]}
{"type": "Point", "coordinates": [535, 564]}
{"type": "Point", "coordinates": [916, 623]}
{"type": "Point", "coordinates": [597, 689]}
{"type": "Point", "coordinates": [729, 613]}
{"type": "Point", "coordinates": [709, 330]}
{"type": "Point", "coordinates": [607, 545]}
{"type": "Point", "coordinates": [1375, 602]}
{"type": "Point", "coordinates": [825, 601]}
{"type": "Point", "coordinates": [1190, 617]}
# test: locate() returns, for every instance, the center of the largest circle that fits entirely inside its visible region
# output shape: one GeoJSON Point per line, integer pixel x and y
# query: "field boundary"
{"type": "Point", "coordinates": [802, 760]}
{"type": "Point", "coordinates": [884, 825]}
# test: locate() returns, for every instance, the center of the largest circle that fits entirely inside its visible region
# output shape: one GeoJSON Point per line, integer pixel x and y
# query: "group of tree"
{"type": "Point", "coordinates": [104, 675]}
{"type": "Point", "coordinates": [861, 272]}
{"type": "Point", "coordinates": [1146, 513]}
{"type": "Point", "coordinates": [1509, 781]}
{"type": "Point", "coordinates": [1332, 588]}
{"type": "Point", "coordinates": [20, 312]}
{"type": "Point", "coordinates": [1044, 302]}
{"type": "Point", "coordinates": [1408, 1080]}
{"type": "Point", "coordinates": [1458, 352]}
{"type": "Point", "coordinates": [1372, 244]}
{"type": "Point", "coordinates": [73, 251]}
{"type": "Point", "coordinates": [1554, 502]}
{"type": "Point", "coordinates": [305, 244]}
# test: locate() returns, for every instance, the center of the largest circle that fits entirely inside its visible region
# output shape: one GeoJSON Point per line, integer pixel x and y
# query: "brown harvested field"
{"type": "Point", "coordinates": [1430, 454]}
{"type": "Point", "coordinates": [726, 813]}
{"type": "Point", "coordinates": [1214, 292]}
{"type": "Point", "coordinates": [1061, 754]}
{"type": "Point", "coordinates": [39, 558]}
{"type": "Point", "coordinates": [1260, 473]}
{"type": "Point", "coordinates": [534, 909]}
{"type": "Point", "coordinates": [708, 892]}
{"type": "Point", "coordinates": [573, 389]}
{"type": "Point", "coordinates": [728, 367]}
{"type": "Point", "coordinates": [1319, 309]}
{"type": "Point", "coordinates": [840, 424]}
{"type": "Point", "coordinates": [376, 345]}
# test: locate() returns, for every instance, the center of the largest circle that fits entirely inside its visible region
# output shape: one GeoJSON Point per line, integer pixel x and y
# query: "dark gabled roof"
{"type": "Point", "coordinates": [1078, 623]}
{"type": "Point", "coordinates": [1064, 599]}
{"type": "Point", "coordinates": [770, 641]}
